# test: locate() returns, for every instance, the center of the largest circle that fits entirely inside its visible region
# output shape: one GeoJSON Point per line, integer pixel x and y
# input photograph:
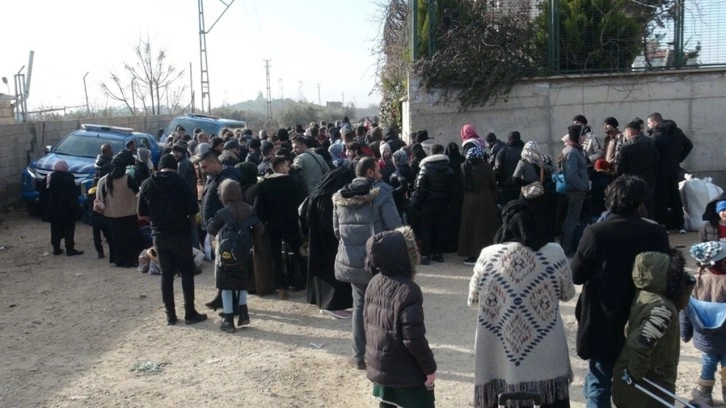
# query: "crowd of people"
{"type": "Point", "coordinates": [348, 211]}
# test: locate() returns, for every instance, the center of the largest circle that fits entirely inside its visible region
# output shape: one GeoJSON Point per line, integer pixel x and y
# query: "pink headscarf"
{"type": "Point", "coordinates": [60, 165]}
{"type": "Point", "coordinates": [468, 132]}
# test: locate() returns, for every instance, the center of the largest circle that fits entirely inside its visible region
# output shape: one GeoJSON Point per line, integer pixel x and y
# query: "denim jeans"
{"type": "Point", "coordinates": [228, 300]}
{"type": "Point", "coordinates": [574, 208]}
{"type": "Point", "coordinates": [709, 365]}
{"type": "Point", "coordinates": [598, 381]}
{"type": "Point", "coordinates": [359, 331]}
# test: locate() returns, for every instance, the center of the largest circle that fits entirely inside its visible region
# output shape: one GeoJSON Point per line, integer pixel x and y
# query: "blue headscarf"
{"type": "Point", "coordinates": [337, 154]}
{"type": "Point", "coordinates": [474, 152]}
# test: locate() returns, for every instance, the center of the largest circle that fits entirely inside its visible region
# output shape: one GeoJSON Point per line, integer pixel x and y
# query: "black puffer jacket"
{"type": "Point", "coordinates": [397, 351]}
{"type": "Point", "coordinates": [673, 147]}
{"type": "Point", "coordinates": [103, 166]}
{"type": "Point", "coordinates": [435, 181]}
{"type": "Point", "coordinates": [639, 158]}
{"type": "Point", "coordinates": [506, 162]}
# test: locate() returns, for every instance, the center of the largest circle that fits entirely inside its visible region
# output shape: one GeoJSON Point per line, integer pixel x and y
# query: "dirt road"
{"type": "Point", "coordinates": [72, 328]}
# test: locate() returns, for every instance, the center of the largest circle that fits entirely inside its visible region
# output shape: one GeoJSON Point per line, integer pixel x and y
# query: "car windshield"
{"type": "Point", "coordinates": [189, 125]}
{"type": "Point", "coordinates": [86, 146]}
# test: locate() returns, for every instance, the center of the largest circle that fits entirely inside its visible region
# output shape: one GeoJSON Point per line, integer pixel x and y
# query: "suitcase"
{"type": "Point", "coordinates": [678, 401]}
{"type": "Point", "coordinates": [519, 396]}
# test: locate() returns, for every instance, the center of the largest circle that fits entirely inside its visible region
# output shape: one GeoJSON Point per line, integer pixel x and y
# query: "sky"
{"type": "Point", "coordinates": [326, 42]}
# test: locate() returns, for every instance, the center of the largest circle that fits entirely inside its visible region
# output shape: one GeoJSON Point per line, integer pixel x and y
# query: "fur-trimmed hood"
{"type": "Point", "coordinates": [384, 253]}
{"type": "Point", "coordinates": [357, 193]}
{"type": "Point", "coordinates": [434, 158]}
{"type": "Point", "coordinates": [663, 274]}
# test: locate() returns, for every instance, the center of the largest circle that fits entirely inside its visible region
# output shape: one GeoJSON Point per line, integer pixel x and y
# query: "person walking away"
{"type": "Point", "coordinates": [504, 166]}
{"type": "Point", "coordinates": [401, 364]}
{"type": "Point", "coordinates": [715, 216]}
{"type": "Point", "coordinates": [278, 199]}
{"type": "Point", "coordinates": [574, 165]}
{"type": "Point", "coordinates": [709, 305]}
{"type": "Point", "coordinates": [233, 225]}
{"type": "Point", "coordinates": [432, 195]}
{"type": "Point", "coordinates": [119, 196]}
{"type": "Point", "coordinates": [673, 147]}
{"type": "Point", "coordinates": [169, 205]}
{"type": "Point", "coordinates": [62, 208]}
{"type": "Point", "coordinates": [479, 220]}
{"type": "Point", "coordinates": [98, 221]}
{"type": "Point", "coordinates": [512, 280]}
{"type": "Point", "coordinates": [652, 345]}
{"type": "Point", "coordinates": [360, 210]}
{"type": "Point", "coordinates": [603, 264]}
{"type": "Point", "coordinates": [639, 157]}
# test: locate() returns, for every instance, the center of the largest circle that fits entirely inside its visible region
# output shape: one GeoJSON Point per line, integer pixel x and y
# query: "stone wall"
{"type": "Point", "coordinates": [23, 142]}
{"type": "Point", "coordinates": [6, 110]}
{"type": "Point", "coordinates": [541, 110]}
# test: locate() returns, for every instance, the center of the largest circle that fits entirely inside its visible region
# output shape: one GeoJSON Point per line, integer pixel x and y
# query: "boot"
{"type": "Point", "coordinates": [227, 323]}
{"type": "Point", "coordinates": [171, 317]}
{"type": "Point", "coordinates": [216, 303]}
{"type": "Point", "coordinates": [244, 316]}
{"type": "Point", "coordinates": [57, 250]}
{"type": "Point", "coordinates": [703, 392]}
{"type": "Point", "coordinates": [73, 252]}
{"type": "Point", "coordinates": [100, 253]}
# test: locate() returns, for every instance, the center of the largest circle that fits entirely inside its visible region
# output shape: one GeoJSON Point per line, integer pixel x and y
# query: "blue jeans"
{"type": "Point", "coordinates": [709, 365]}
{"type": "Point", "coordinates": [359, 331]}
{"type": "Point", "coordinates": [598, 381]}
{"type": "Point", "coordinates": [228, 300]}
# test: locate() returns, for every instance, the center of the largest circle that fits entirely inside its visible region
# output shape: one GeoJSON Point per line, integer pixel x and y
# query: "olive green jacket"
{"type": "Point", "coordinates": [652, 345]}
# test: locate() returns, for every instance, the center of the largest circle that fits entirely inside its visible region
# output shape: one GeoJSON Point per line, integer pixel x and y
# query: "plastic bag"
{"type": "Point", "coordinates": [695, 195]}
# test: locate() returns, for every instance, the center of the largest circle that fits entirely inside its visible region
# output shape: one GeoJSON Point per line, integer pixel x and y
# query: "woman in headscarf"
{"type": "Point", "coordinates": [402, 181]}
{"type": "Point", "coordinates": [516, 288]}
{"type": "Point", "coordinates": [337, 154]}
{"type": "Point", "coordinates": [418, 154]}
{"type": "Point", "coordinates": [386, 162]}
{"type": "Point", "coordinates": [144, 167]}
{"type": "Point", "coordinates": [457, 196]}
{"type": "Point", "coordinates": [469, 138]}
{"type": "Point", "coordinates": [535, 167]}
{"type": "Point", "coordinates": [119, 196]}
{"type": "Point", "coordinates": [479, 220]}
{"type": "Point", "coordinates": [62, 208]}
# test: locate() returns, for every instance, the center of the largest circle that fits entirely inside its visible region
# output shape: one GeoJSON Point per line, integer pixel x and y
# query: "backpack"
{"type": "Point", "coordinates": [234, 242]}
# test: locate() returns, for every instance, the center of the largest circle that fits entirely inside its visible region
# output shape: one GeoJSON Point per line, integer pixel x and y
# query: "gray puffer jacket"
{"type": "Point", "coordinates": [360, 209]}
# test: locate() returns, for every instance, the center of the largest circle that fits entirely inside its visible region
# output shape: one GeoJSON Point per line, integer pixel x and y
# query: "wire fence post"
{"type": "Point", "coordinates": [678, 26]}
{"type": "Point", "coordinates": [414, 30]}
{"type": "Point", "coordinates": [553, 47]}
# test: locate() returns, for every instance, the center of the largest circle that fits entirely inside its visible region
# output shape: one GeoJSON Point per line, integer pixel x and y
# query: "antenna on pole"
{"type": "Point", "coordinates": [203, 52]}
{"type": "Point", "coordinates": [269, 91]}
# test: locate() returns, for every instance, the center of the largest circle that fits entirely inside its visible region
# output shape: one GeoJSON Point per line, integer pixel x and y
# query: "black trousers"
{"type": "Point", "coordinates": [100, 225]}
{"type": "Point", "coordinates": [668, 196]}
{"type": "Point", "coordinates": [64, 230]}
{"type": "Point", "coordinates": [294, 242]}
{"type": "Point", "coordinates": [126, 240]}
{"type": "Point", "coordinates": [175, 254]}
{"type": "Point", "coordinates": [433, 227]}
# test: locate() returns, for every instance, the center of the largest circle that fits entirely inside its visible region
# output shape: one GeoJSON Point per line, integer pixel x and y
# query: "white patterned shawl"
{"type": "Point", "coordinates": [520, 338]}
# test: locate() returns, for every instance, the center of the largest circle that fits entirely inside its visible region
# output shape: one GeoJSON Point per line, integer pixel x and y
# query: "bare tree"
{"type": "Point", "coordinates": [148, 80]}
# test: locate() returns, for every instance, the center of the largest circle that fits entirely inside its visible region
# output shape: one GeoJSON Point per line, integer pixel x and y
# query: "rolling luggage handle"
{"type": "Point", "coordinates": [630, 381]}
{"type": "Point", "coordinates": [519, 396]}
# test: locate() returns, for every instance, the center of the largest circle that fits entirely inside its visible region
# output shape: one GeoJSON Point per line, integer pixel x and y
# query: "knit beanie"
{"type": "Point", "coordinates": [178, 147]}
{"type": "Point", "coordinates": [708, 253]}
{"type": "Point", "coordinates": [490, 137]}
{"type": "Point", "coordinates": [514, 136]}
{"type": "Point", "coordinates": [581, 119]}
{"type": "Point", "coordinates": [248, 170]}
{"type": "Point", "coordinates": [720, 206]}
{"type": "Point", "coordinates": [167, 161]}
{"type": "Point", "coordinates": [610, 121]}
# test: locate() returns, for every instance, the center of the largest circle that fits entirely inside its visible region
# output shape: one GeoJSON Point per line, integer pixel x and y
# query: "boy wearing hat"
{"type": "Point", "coordinates": [701, 322]}
{"type": "Point", "coordinates": [590, 143]}
{"type": "Point", "coordinates": [715, 215]}
{"type": "Point", "coordinates": [613, 136]}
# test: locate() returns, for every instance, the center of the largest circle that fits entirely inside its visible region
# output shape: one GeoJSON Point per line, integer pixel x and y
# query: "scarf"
{"type": "Point", "coordinates": [468, 132]}
{"type": "Point", "coordinates": [531, 154]}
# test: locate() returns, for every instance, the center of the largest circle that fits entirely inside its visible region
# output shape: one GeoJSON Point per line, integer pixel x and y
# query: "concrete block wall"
{"type": "Point", "coordinates": [23, 142]}
{"type": "Point", "coordinates": [541, 110]}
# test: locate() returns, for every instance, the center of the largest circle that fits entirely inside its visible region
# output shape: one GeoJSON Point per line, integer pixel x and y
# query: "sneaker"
{"type": "Point", "coordinates": [195, 318]}
{"type": "Point", "coordinates": [425, 260]}
{"type": "Point", "coordinates": [357, 364]}
{"type": "Point", "coordinates": [470, 261]}
{"type": "Point", "coordinates": [438, 258]}
{"type": "Point", "coordinates": [227, 324]}
{"type": "Point", "coordinates": [338, 314]}
{"type": "Point", "coordinates": [681, 231]}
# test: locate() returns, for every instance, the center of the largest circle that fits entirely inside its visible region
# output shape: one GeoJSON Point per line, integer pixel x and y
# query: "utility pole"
{"type": "Point", "coordinates": [320, 101]}
{"type": "Point", "coordinates": [269, 91]}
{"type": "Point", "coordinates": [203, 52]}
{"type": "Point", "coordinates": [85, 90]}
{"type": "Point", "coordinates": [280, 93]}
{"type": "Point", "coordinates": [191, 86]}
{"type": "Point", "coordinates": [300, 91]}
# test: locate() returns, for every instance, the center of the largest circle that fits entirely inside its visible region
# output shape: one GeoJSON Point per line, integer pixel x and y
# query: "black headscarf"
{"type": "Point", "coordinates": [118, 169]}
{"type": "Point", "coordinates": [520, 224]}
